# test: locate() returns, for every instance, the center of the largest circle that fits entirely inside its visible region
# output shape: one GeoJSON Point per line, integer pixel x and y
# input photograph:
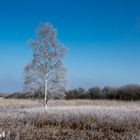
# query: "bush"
{"type": "Point", "coordinates": [129, 92]}
{"type": "Point", "coordinates": [75, 93]}
{"type": "Point", "coordinates": [94, 92]}
{"type": "Point", "coordinates": [109, 93]}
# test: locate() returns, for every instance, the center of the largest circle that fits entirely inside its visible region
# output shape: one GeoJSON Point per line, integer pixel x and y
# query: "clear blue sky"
{"type": "Point", "coordinates": [103, 38]}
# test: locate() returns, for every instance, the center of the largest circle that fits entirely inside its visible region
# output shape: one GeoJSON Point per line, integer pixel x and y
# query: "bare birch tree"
{"type": "Point", "coordinates": [46, 71]}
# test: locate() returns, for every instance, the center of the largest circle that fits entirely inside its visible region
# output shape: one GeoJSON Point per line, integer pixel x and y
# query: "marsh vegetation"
{"type": "Point", "coordinates": [74, 119]}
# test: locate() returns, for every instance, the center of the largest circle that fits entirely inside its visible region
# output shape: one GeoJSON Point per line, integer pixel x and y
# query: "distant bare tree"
{"type": "Point", "coordinates": [46, 72]}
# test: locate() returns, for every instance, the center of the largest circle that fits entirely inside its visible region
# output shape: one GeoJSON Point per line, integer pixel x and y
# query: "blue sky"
{"type": "Point", "coordinates": [102, 36]}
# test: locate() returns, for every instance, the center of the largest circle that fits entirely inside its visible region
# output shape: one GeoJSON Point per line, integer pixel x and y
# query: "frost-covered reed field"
{"type": "Point", "coordinates": [70, 120]}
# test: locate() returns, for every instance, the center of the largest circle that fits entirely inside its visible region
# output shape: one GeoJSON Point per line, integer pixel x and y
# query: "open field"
{"type": "Point", "coordinates": [71, 120]}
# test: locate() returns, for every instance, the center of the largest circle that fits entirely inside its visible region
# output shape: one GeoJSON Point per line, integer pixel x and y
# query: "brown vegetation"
{"type": "Point", "coordinates": [73, 120]}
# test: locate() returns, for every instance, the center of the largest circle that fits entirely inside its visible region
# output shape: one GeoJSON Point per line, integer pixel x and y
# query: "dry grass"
{"type": "Point", "coordinates": [72, 120]}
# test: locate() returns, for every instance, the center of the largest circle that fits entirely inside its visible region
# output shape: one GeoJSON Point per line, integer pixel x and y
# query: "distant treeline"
{"type": "Point", "coordinates": [128, 92]}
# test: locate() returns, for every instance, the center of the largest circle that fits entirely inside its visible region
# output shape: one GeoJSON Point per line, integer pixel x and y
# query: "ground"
{"type": "Point", "coordinates": [70, 120]}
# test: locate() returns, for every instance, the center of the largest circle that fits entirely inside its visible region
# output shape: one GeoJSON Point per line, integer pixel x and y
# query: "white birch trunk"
{"type": "Point", "coordinates": [46, 92]}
